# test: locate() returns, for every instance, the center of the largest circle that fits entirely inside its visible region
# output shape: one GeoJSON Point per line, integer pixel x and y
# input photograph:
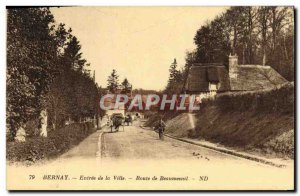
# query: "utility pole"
{"type": "Point", "coordinates": [94, 75]}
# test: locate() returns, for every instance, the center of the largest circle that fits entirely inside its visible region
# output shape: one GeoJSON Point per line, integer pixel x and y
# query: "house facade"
{"type": "Point", "coordinates": [209, 79]}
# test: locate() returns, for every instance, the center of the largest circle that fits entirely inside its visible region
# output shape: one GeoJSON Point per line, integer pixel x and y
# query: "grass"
{"type": "Point", "coordinates": [39, 148]}
{"type": "Point", "coordinates": [260, 122]}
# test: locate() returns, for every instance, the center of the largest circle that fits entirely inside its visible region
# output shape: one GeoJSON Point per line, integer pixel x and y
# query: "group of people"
{"type": "Point", "coordinates": [117, 120]}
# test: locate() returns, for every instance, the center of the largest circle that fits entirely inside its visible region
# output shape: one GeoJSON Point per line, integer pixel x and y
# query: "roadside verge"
{"type": "Point", "coordinates": [226, 151]}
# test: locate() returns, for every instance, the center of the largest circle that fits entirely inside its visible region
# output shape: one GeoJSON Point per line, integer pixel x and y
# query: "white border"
{"type": "Point", "coordinates": [4, 3]}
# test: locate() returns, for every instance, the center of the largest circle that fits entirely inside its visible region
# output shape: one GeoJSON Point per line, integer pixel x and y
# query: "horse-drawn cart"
{"type": "Point", "coordinates": [116, 120]}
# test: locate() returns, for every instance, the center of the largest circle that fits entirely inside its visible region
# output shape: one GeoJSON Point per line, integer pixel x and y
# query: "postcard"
{"type": "Point", "coordinates": [150, 98]}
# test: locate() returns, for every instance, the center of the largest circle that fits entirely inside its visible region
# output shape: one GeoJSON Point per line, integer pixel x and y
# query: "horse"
{"type": "Point", "coordinates": [116, 122]}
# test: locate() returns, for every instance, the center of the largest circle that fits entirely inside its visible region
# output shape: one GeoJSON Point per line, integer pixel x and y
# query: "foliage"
{"type": "Point", "coordinates": [259, 121]}
{"type": "Point", "coordinates": [72, 56]}
{"type": "Point", "coordinates": [262, 121]}
{"type": "Point", "coordinates": [282, 144]}
{"type": "Point", "coordinates": [126, 86]}
{"type": "Point", "coordinates": [258, 35]}
{"type": "Point", "coordinates": [73, 95]}
{"type": "Point", "coordinates": [113, 81]}
{"type": "Point", "coordinates": [39, 148]}
{"type": "Point", "coordinates": [145, 91]}
{"type": "Point", "coordinates": [272, 101]}
{"type": "Point", "coordinates": [176, 79]}
{"type": "Point", "coordinates": [45, 70]}
{"type": "Point", "coordinates": [31, 62]}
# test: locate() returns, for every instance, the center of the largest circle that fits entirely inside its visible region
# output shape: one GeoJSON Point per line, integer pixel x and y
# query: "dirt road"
{"type": "Point", "coordinates": [138, 143]}
{"type": "Point", "coordinates": [132, 158]}
{"type": "Point", "coordinates": [134, 143]}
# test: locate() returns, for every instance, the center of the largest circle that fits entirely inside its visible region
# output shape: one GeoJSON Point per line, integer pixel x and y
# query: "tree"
{"type": "Point", "coordinates": [126, 86]}
{"type": "Point", "coordinates": [173, 71]}
{"type": "Point", "coordinates": [204, 44]}
{"type": "Point", "coordinates": [248, 34]}
{"type": "Point", "coordinates": [72, 55]}
{"type": "Point", "coordinates": [73, 93]}
{"type": "Point", "coordinates": [175, 79]}
{"type": "Point", "coordinates": [45, 71]}
{"type": "Point", "coordinates": [212, 41]}
{"type": "Point", "coordinates": [58, 103]}
{"type": "Point", "coordinates": [263, 16]}
{"type": "Point", "coordinates": [258, 35]}
{"type": "Point", "coordinates": [278, 20]}
{"type": "Point", "coordinates": [31, 63]}
{"type": "Point", "coordinates": [113, 82]}
{"type": "Point", "coordinates": [190, 57]}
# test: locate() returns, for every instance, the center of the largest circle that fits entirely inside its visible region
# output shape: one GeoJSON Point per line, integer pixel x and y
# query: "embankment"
{"type": "Point", "coordinates": [39, 148]}
{"type": "Point", "coordinates": [260, 122]}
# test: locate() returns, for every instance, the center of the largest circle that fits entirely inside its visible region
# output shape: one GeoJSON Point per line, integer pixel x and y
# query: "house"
{"type": "Point", "coordinates": [208, 79]}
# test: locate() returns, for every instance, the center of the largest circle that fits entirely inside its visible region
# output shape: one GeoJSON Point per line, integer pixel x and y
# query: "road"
{"type": "Point", "coordinates": [138, 143]}
{"type": "Point", "coordinates": [137, 153]}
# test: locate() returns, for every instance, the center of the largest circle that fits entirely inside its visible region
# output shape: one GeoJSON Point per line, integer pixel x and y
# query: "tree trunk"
{"type": "Point", "coordinates": [285, 49]}
{"type": "Point", "coordinates": [234, 41]}
{"type": "Point", "coordinates": [264, 56]}
{"type": "Point", "coordinates": [55, 121]}
{"type": "Point", "coordinates": [243, 56]}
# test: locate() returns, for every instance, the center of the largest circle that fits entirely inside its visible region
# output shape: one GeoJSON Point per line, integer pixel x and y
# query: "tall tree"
{"type": "Point", "coordinates": [126, 86]}
{"type": "Point", "coordinates": [234, 20]}
{"type": "Point", "coordinates": [278, 19]}
{"type": "Point", "coordinates": [175, 79]}
{"type": "Point", "coordinates": [173, 71]}
{"type": "Point", "coordinates": [204, 44]}
{"type": "Point", "coordinates": [248, 34]}
{"type": "Point", "coordinates": [212, 41]}
{"type": "Point", "coordinates": [72, 55]}
{"type": "Point", "coordinates": [45, 71]}
{"type": "Point", "coordinates": [113, 81]}
{"type": "Point", "coordinates": [31, 63]}
{"type": "Point", "coordinates": [263, 19]}
{"type": "Point", "coordinates": [257, 35]}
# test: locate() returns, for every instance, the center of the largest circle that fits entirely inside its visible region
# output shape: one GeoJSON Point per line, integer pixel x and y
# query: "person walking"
{"type": "Point", "coordinates": [161, 129]}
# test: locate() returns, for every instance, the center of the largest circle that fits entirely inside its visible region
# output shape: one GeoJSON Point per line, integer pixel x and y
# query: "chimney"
{"type": "Point", "coordinates": [233, 63]}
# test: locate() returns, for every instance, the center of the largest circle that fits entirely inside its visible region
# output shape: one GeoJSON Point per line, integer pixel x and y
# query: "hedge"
{"type": "Point", "coordinates": [57, 142]}
{"type": "Point", "coordinates": [276, 100]}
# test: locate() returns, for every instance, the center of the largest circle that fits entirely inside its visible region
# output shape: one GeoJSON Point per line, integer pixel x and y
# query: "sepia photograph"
{"type": "Point", "coordinates": [150, 98]}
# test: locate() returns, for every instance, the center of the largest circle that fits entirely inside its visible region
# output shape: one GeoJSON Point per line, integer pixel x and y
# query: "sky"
{"type": "Point", "coordinates": [139, 42]}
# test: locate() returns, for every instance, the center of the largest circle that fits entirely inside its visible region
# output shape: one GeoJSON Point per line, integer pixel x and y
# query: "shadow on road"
{"type": "Point", "coordinates": [112, 132]}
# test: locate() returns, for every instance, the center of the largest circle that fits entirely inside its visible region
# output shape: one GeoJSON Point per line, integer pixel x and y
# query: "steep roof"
{"type": "Point", "coordinates": [248, 78]}
{"type": "Point", "coordinates": [255, 77]}
{"type": "Point", "coordinates": [200, 76]}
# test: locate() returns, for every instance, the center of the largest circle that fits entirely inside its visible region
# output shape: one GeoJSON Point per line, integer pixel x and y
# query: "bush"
{"type": "Point", "coordinates": [282, 144]}
{"type": "Point", "coordinates": [250, 120]}
{"type": "Point", "coordinates": [154, 117]}
{"type": "Point", "coordinates": [152, 120]}
{"type": "Point", "coordinates": [32, 127]}
{"type": "Point", "coordinates": [57, 142]}
{"type": "Point", "coordinates": [276, 100]}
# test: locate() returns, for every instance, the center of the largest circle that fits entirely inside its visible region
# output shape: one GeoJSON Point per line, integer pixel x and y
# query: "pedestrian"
{"type": "Point", "coordinates": [161, 129]}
